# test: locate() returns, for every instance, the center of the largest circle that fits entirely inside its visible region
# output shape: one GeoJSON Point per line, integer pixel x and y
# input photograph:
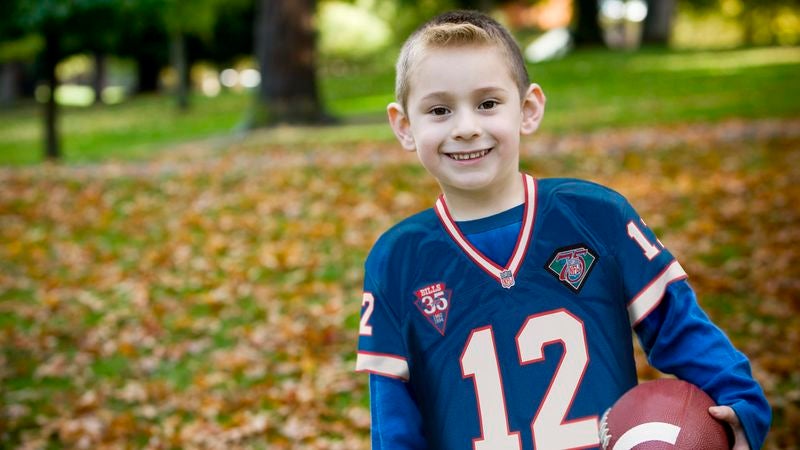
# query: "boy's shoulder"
{"type": "Point", "coordinates": [580, 194]}
{"type": "Point", "coordinates": [578, 189]}
{"type": "Point", "coordinates": [403, 238]}
{"type": "Point", "coordinates": [412, 227]}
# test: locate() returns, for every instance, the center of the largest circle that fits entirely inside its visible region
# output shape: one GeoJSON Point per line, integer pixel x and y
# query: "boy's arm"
{"type": "Point", "coordinates": [396, 420]}
{"type": "Point", "coordinates": [680, 339]}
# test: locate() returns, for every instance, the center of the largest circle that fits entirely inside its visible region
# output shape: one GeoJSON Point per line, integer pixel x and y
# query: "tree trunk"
{"type": "Point", "coordinates": [99, 76]}
{"type": "Point", "coordinates": [658, 24]}
{"type": "Point", "coordinates": [181, 65]}
{"type": "Point", "coordinates": [587, 26]}
{"type": "Point", "coordinates": [10, 77]}
{"type": "Point", "coordinates": [52, 50]}
{"type": "Point", "coordinates": [147, 71]}
{"type": "Point", "coordinates": [480, 5]}
{"type": "Point", "coordinates": [286, 51]}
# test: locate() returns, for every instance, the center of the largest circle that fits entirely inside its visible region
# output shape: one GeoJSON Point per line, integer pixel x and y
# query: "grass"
{"type": "Point", "coordinates": [600, 89]}
{"type": "Point", "coordinates": [586, 90]}
{"type": "Point", "coordinates": [130, 130]}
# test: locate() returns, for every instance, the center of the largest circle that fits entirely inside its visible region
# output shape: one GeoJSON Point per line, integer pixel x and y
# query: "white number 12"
{"type": "Point", "coordinates": [549, 427]}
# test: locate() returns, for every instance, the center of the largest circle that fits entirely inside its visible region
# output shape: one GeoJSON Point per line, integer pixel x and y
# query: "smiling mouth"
{"type": "Point", "coordinates": [466, 156]}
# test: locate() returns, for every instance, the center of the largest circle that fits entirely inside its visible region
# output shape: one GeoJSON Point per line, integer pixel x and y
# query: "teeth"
{"type": "Point", "coordinates": [468, 156]}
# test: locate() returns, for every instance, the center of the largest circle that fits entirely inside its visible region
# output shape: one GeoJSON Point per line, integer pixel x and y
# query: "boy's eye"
{"type": "Point", "coordinates": [488, 104]}
{"type": "Point", "coordinates": [439, 111]}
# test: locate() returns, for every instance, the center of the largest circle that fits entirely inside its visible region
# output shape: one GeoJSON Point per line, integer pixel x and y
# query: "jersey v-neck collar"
{"type": "Point", "coordinates": [505, 275]}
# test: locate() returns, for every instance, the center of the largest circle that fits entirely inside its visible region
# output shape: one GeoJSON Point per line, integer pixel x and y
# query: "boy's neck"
{"type": "Point", "coordinates": [471, 205]}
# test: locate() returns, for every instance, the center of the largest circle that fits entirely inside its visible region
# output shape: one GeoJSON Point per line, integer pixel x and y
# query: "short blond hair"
{"type": "Point", "coordinates": [454, 29]}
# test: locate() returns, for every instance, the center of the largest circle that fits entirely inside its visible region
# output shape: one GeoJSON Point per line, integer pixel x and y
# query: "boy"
{"type": "Point", "coordinates": [502, 318]}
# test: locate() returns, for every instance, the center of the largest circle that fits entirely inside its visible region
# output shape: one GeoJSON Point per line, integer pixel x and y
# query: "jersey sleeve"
{"type": "Point", "coordinates": [647, 268]}
{"type": "Point", "coordinates": [680, 339]}
{"type": "Point", "coordinates": [381, 349]}
{"type": "Point", "coordinates": [677, 335]}
{"type": "Point", "coordinates": [396, 420]}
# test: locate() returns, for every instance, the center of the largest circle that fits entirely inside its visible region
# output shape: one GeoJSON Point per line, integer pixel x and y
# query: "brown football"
{"type": "Point", "coordinates": [664, 414]}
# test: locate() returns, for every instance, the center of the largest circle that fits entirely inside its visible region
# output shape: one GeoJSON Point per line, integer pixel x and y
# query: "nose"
{"type": "Point", "coordinates": [466, 126]}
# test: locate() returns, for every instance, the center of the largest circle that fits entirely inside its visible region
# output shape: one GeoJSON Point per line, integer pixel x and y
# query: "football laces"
{"type": "Point", "coordinates": [605, 435]}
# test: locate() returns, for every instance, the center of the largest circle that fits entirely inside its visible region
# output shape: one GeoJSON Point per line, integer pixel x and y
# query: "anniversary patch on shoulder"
{"type": "Point", "coordinates": [433, 302]}
{"type": "Point", "coordinates": [571, 265]}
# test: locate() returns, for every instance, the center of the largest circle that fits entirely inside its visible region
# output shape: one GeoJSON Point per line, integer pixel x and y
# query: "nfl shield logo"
{"type": "Point", "coordinates": [507, 279]}
{"type": "Point", "coordinates": [571, 265]}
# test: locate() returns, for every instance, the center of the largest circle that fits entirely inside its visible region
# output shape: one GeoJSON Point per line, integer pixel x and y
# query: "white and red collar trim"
{"type": "Point", "coordinates": [505, 275]}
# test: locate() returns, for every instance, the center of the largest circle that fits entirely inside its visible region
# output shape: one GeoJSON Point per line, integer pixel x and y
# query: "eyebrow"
{"type": "Point", "coordinates": [447, 95]}
{"type": "Point", "coordinates": [435, 96]}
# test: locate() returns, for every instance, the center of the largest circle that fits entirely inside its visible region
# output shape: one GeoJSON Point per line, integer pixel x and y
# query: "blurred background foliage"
{"type": "Point", "coordinates": [94, 52]}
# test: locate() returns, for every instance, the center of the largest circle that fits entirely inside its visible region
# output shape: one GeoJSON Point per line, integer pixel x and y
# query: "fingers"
{"type": "Point", "coordinates": [728, 415]}
{"type": "Point", "coordinates": [725, 414]}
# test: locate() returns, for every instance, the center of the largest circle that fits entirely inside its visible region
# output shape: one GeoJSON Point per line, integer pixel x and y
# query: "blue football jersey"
{"type": "Point", "coordinates": [523, 355]}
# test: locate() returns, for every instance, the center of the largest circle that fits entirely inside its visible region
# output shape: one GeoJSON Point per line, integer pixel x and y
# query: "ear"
{"type": "Point", "coordinates": [401, 126]}
{"type": "Point", "coordinates": [532, 109]}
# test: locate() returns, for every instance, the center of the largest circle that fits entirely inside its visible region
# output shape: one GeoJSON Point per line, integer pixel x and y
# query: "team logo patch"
{"type": "Point", "coordinates": [571, 265]}
{"type": "Point", "coordinates": [434, 303]}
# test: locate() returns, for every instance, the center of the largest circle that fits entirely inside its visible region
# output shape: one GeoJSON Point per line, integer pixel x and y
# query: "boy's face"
{"type": "Point", "coordinates": [464, 117]}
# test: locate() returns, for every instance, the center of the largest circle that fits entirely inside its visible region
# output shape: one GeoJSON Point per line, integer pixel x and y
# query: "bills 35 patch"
{"type": "Point", "coordinates": [571, 265]}
{"type": "Point", "coordinates": [434, 303]}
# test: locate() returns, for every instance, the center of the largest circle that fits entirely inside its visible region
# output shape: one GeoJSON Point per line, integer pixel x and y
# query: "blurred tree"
{"type": "Point", "coordinates": [658, 23]}
{"type": "Point", "coordinates": [143, 39]}
{"type": "Point", "coordinates": [586, 29]}
{"type": "Point", "coordinates": [18, 50]}
{"type": "Point", "coordinates": [94, 29]}
{"type": "Point", "coordinates": [286, 52]}
{"type": "Point", "coordinates": [182, 18]}
{"type": "Point", "coordinates": [232, 35]}
{"type": "Point", "coordinates": [10, 77]}
{"type": "Point", "coordinates": [480, 5]}
{"type": "Point", "coordinates": [64, 26]}
{"type": "Point", "coordinates": [157, 32]}
{"type": "Point", "coordinates": [760, 19]}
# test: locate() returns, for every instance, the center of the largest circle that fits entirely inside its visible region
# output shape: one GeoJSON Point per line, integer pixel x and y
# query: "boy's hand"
{"type": "Point", "coordinates": [728, 415]}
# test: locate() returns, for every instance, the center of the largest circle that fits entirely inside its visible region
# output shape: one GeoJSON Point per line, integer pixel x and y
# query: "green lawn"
{"type": "Point", "coordinates": [586, 90]}
{"type": "Point", "coordinates": [601, 89]}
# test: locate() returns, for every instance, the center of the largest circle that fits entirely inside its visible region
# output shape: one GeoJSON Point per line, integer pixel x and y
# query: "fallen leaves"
{"type": "Point", "coordinates": [211, 300]}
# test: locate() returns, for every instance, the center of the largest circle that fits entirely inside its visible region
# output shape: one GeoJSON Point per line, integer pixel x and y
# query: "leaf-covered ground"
{"type": "Point", "coordinates": [210, 298]}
